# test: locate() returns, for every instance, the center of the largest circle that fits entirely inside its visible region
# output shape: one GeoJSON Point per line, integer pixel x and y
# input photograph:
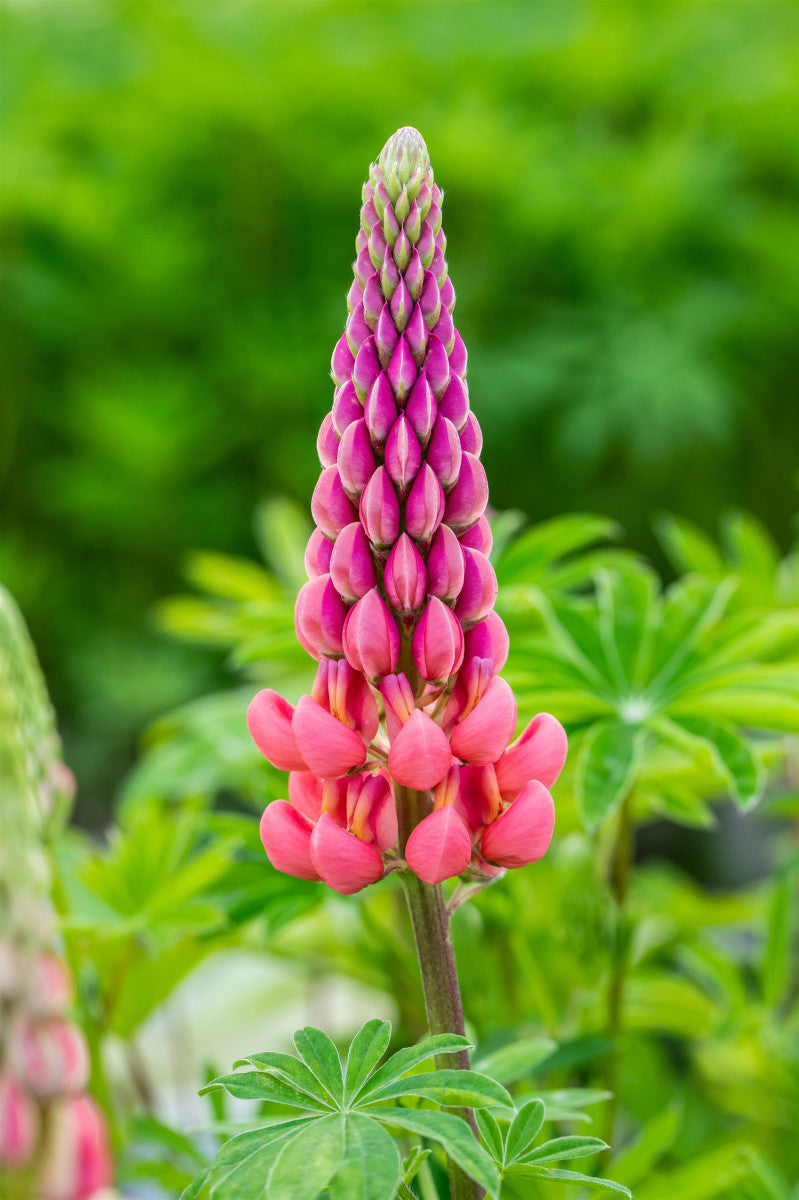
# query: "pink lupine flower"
{"type": "Point", "coordinates": [78, 1159]}
{"type": "Point", "coordinates": [399, 607]}
{"type": "Point", "coordinates": [19, 1123]}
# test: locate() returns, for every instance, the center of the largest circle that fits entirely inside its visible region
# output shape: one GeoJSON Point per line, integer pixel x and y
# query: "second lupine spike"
{"type": "Point", "coordinates": [401, 589]}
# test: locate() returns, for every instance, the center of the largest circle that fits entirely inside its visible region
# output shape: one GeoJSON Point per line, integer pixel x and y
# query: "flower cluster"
{"type": "Point", "coordinates": [399, 607]}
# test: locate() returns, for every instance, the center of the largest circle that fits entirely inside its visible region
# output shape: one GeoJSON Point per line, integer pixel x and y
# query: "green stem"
{"type": "Point", "coordinates": [619, 881]}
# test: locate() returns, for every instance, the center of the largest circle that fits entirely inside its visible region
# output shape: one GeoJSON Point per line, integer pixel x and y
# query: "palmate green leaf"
{"type": "Point", "coordinates": [321, 1055]}
{"type": "Point", "coordinates": [538, 552]}
{"type": "Point", "coordinates": [563, 1147]}
{"type": "Point", "coordinates": [530, 1171]}
{"type": "Point", "coordinates": [310, 1160]}
{"type": "Point", "coordinates": [688, 547]}
{"type": "Point", "coordinates": [371, 1168]}
{"type": "Point", "coordinates": [412, 1162]}
{"type": "Point", "coordinates": [450, 1132]}
{"type": "Point", "coordinates": [241, 1167]}
{"type": "Point", "coordinates": [490, 1133]}
{"type": "Point", "coordinates": [524, 1129]}
{"type": "Point", "coordinates": [258, 1085]}
{"type": "Point", "coordinates": [367, 1048]}
{"type": "Point", "coordinates": [452, 1089]}
{"type": "Point", "coordinates": [411, 1056]}
{"type": "Point", "coordinates": [292, 1070]}
{"type": "Point", "coordinates": [606, 768]}
{"type": "Point", "coordinates": [626, 600]}
{"type": "Point", "coordinates": [733, 756]}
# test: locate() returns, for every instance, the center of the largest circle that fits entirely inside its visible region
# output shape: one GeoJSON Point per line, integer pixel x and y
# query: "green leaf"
{"type": "Point", "coordinates": [639, 1158]}
{"type": "Point", "coordinates": [282, 530]}
{"type": "Point", "coordinates": [291, 1069]}
{"type": "Point", "coordinates": [257, 1085]}
{"type": "Point", "coordinates": [412, 1162]}
{"type": "Point", "coordinates": [450, 1132]}
{"type": "Point", "coordinates": [410, 1056]}
{"type": "Point", "coordinates": [367, 1048]}
{"type": "Point", "coordinates": [688, 548]}
{"type": "Point", "coordinates": [453, 1089]}
{"type": "Point", "coordinates": [779, 961]}
{"type": "Point", "coordinates": [564, 1147]}
{"type": "Point", "coordinates": [308, 1161]}
{"type": "Point", "coordinates": [370, 1169]}
{"type": "Point", "coordinates": [512, 1062]}
{"type": "Point", "coordinates": [732, 755]}
{"type": "Point", "coordinates": [524, 1129]}
{"type": "Point", "coordinates": [319, 1052]}
{"type": "Point", "coordinates": [528, 1171]}
{"type": "Point", "coordinates": [490, 1132]}
{"type": "Point", "coordinates": [626, 601]}
{"type": "Point", "coordinates": [606, 769]}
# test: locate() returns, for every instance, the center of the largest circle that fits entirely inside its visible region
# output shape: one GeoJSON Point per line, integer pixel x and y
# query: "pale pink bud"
{"type": "Point", "coordinates": [420, 754]}
{"type": "Point", "coordinates": [454, 404]}
{"type": "Point", "coordinates": [78, 1160]}
{"type": "Point", "coordinates": [361, 241]}
{"type": "Point", "coordinates": [421, 409]}
{"type": "Point", "coordinates": [328, 746]}
{"type": "Point", "coordinates": [286, 837]}
{"type": "Point", "coordinates": [49, 985]}
{"type": "Point", "coordinates": [371, 637]}
{"type": "Point", "coordinates": [416, 336]}
{"type": "Point", "coordinates": [369, 215]}
{"type": "Point", "coordinates": [424, 508]}
{"type": "Point", "coordinates": [538, 753]}
{"type": "Point", "coordinates": [479, 591]}
{"type": "Point", "coordinates": [380, 510]}
{"type": "Point", "coordinates": [472, 436]}
{"type": "Point", "coordinates": [346, 407]}
{"type": "Point", "coordinates": [445, 569]}
{"type": "Point", "coordinates": [436, 364]}
{"type": "Point", "coordinates": [352, 567]}
{"type": "Point", "coordinates": [437, 642]}
{"type": "Point", "coordinates": [373, 299]}
{"type": "Point", "coordinates": [478, 537]}
{"type": "Point", "coordinates": [447, 293]}
{"type": "Point", "coordinates": [444, 452]}
{"type": "Point", "coordinates": [386, 335]}
{"type": "Point", "coordinates": [331, 507]}
{"type": "Point", "coordinates": [319, 618]}
{"type": "Point", "coordinates": [399, 702]}
{"type": "Point", "coordinates": [327, 442]}
{"type": "Point", "coordinates": [317, 554]}
{"type": "Point", "coordinates": [269, 722]}
{"type": "Point", "coordinates": [414, 275]}
{"type": "Point", "coordinates": [522, 833]}
{"type": "Point", "coordinates": [405, 577]}
{"type": "Point", "coordinates": [430, 300]}
{"type": "Point", "coordinates": [489, 639]}
{"type": "Point", "coordinates": [467, 501]}
{"type": "Point", "coordinates": [440, 846]}
{"type": "Point", "coordinates": [482, 736]}
{"type": "Point", "coordinates": [357, 330]}
{"type": "Point", "coordinates": [354, 296]}
{"type": "Point", "coordinates": [403, 455]}
{"type": "Point", "coordinates": [19, 1123]}
{"type": "Point", "coordinates": [343, 861]}
{"type": "Point", "coordinates": [401, 305]}
{"type": "Point", "coordinates": [342, 362]}
{"type": "Point", "coordinates": [380, 410]}
{"type": "Point", "coordinates": [401, 371]}
{"type": "Point", "coordinates": [51, 1057]}
{"type": "Point", "coordinates": [356, 460]}
{"type": "Point", "coordinates": [458, 356]}
{"type": "Point", "coordinates": [366, 368]}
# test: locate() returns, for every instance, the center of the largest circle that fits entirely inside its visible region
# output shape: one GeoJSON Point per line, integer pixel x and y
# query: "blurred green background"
{"type": "Point", "coordinates": [181, 186]}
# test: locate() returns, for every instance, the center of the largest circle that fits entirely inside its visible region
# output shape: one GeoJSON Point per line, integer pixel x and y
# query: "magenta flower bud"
{"type": "Point", "coordinates": [380, 410]}
{"type": "Point", "coordinates": [352, 567]}
{"type": "Point", "coordinates": [371, 637]}
{"type": "Point", "coordinates": [317, 554]}
{"type": "Point", "coordinates": [402, 251]}
{"type": "Point", "coordinates": [454, 404]}
{"type": "Point", "coordinates": [444, 452]}
{"type": "Point", "coordinates": [416, 336]}
{"type": "Point", "coordinates": [366, 368]}
{"type": "Point", "coordinates": [434, 216]}
{"type": "Point", "coordinates": [372, 299]}
{"type": "Point", "coordinates": [50, 1057]}
{"type": "Point", "coordinates": [77, 1160]}
{"type": "Point", "coordinates": [405, 577]}
{"type": "Point", "coordinates": [331, 507]}
{"type": "Point", "coordinates": [401, 306]}
{"type": "Point", "coordinates": [369, 215]}
{"type": "Point", "coordinates": [413, 222]}
{"type": "Point", "coordinates": [479, 591]}
{"type": "Point", "coordinates": [472, 436]}
{"type": "Point", "coordinates": [389, 275]}
{"type": "Point", "coordinates": [444, 329]}
{"type": "Point", "coordinates": [414, 276]}
{"type": "Point", "coordinates": [386, 335]}
{"type": "Point", "coordinates": [436, 364]}
{"type": "Point", "coordinates": [437, 643]}
{"type": "Point", "coordinates": [489, 640]}
{"type": "Point", "coordinates": [430, 300]}
{"type": "Point", "coordinates": [445, 568]}
{"type": "Point", "coordinates": [458, 356]}
{"type": "Point", "coordinates": [342, 362]}
{"type": "Point", "coordinates": [319, 618]}
{"type": "Point", "coordinates": [361, 240]}
{"type": "Point", "coordinates": [377, 246]}
{"type": "Point", "coordinates": [354, 296]}
{"type": "Point", "coordinates": [421, 409]}
{"type": "Point", "coordinates": [426, 244]}
{"type": "Point", "coordinates": [401, 371]}
{"type": "Point", "coordinates": [478, 537]}
{"type": "Point", "coordinates": [346, 407]}
{"type": "Point", "coordinates": [438, 265]}
{"type": "Point", "coordinates": [327, 442]}
{"type": "Point", "coordinates": [467, 501]}
{"type": "Point", "coordinates": [357, 330]}
{"type": "Point", "coordinates": [424, 508]}
{"type": "Point", "coordinates": [447, 294]}
{"type": "Point", "coordinates": [403, 455]}
{"type": "Point", "coordinates": [380, 510]}
{"type": "Point", "coordinates": [391, 225]}
{"type": "Point", "coordinates": [356, 460]}
{"type": "Point", "coordinates": [19, 1123]}
{"type": "Point", "coordinates": [363, 266]}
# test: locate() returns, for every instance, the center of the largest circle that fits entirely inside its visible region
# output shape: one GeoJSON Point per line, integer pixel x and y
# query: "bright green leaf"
{"type": "Point", "coordinates": [367, 1048]}
{"type": "Point", "coordinates": [524, 1129]}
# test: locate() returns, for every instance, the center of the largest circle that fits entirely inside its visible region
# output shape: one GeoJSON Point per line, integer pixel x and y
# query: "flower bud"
{"type": "Point", "coordinates": [330, 505]}
{"type": "Point", "coordinates": [403, 455]}
{"type": "Point", "coordinates": [327, 442]}
{"type": "Point", "coordinates": [413, 222]}
{"type": "Point", "coordinates": [50, 1056]}
{"type": "Point", "coordinates": [438, 265]}
{"type": "Point", "coordinates": [346, 407]}
{"type": "Point", "coordinates": [467, 501]}
{"type": "Point", "coordinates": [386, 336]}
{"type": "Point", "coordinates": [430, 300]}
{"type": "Point", "coordinates": [77, 1160]}
{"type": "Point", "coordinates": [436, 364]}
{"type": "Point", "coordinates": [377, 246]}
{"type": "Point", "coordinates": [457, 356]}
{"type": "Point", "coordinates": [352, 567]}
{"type": "Point", "coordinates": [317, 554]}
{"type": "Point", "coordinates": [444, 329]}
{"type": "Point", "coordinates": [447, 293]}
{"type": "Point", "coordinates": [472, 436]}
{"type": "Point", "coordinates": [489, 639]}
{"type": "Point", "coordinates": [424, 508]}
{"type": "Point", "coordinates": [401, 371]}
{"type": "Point", "coordinates": [391, 226]}
{"type": "Point", "coordinates": [401, 305]}
{"type": "Point", "coordinates": [445, 568]}
{"type": "Point", "coordinates": [421, 409]}
{"type": "Point", "coordinates": [414, 276]}
{"type": "Point", "coordinates": [319, 618]}
{"type": "Point", "coordinates": [454, 404]}
{"type": "Point", "coordinates": [389, 275]}
{"type": "Point", "coordinates": [342, 362]}
{"type": "Point", "coordinates": [354, 296]}
{"type": "Point", "coordinates": [373, 299]}
{"type": "Point", "coordinates": [380, 510]}
{"type": "Point", "coordinates": [357, 330]}
{"type": "Point", "coordinates": [478, 537]}
{"type": "Point", "coordinates": [479, 591]}
{"type": "Point", "coordinates": [19, 1123]}
{"type": "Point", "coordinates": [369, 215]}
{"type": "Point", "coordinates": [380, 410]}
{"type": "Point", "coordinates": [366, 368]}
{"type": "Point", "coordinates": [398, 701]}
{"type": "Point", "coordinates": [371, 637]}
{"type": "Point", "coordinates": [402, 251]}
{"type": "Point", "coordinates": [444, 452]}
{"type": "Point", "coordinates": [356, 460]}
{"type": "Point", "coordinates": [405, 577]}
{"type": "Point", "coordinates": [416, 336]}
{"type": "Point", "coordinates": [49, 985]}
{"type": "Point", "coordinates": [426, 244]}
{"type": "Point", "coordinates": [437, 642]}
{"type": "Point", "coordinates": [269, 720]}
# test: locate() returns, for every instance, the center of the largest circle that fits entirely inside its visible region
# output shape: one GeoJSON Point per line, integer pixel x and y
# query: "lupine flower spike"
{"type": "Point", "coordinates": [399, 607]}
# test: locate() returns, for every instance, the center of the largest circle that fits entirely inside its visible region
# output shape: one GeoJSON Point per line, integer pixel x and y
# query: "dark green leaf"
{"type": "Point", "coordinates": [410, 1056]}
{"type": "Point", "coordinates": [527, 1171]}
{"type": "Point", "coordinates": [450, 1132]}
{"type": "Point", "coordinates": [454, 1089]}
{"type": "Point", "coordinates": [257, 1085]}
{"type": "Point", "coordinates": [293, 1070]}
{"type": "Point", "coordinates": [321, 1055]}
{"type": "Point", "coordinates": [564, 1147]}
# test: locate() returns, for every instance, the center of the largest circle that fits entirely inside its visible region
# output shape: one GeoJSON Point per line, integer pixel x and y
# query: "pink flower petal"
{"type": "Point", "coordinates": [343, 861]}
{"type": "Point", "coordinates": [482, 736]}
{"type": "Point", "coordinates": [420, 755]}
{"type": "Point", "coordinates": [305, 794]}
{"type": "Point", "coordinates": [538, 753]}
{"type": "Point", "coordinates": [439, 846]}
{"type": "Point", "coordinates": [329, 748]}
{"type": "Point", "coordinates": [286, 835]}
{"type": "Point", "coordinates": [523, 832]}
{"type": "Point", "coordinates": [269, 722]}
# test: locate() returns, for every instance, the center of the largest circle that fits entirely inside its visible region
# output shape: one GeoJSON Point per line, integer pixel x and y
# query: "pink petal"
{"type": "Point", "coordinates": [329, 748]}
{"type": "Point", "coordinates": [482, 736]}
{"type": "Point", "coordinates": [286, 835]}
{"type": "Point", "coordinates": [269, 722]}
{"type": "Point", "coordinates": [420, 755]}
{"type": "Point", "coordinates": [523, 832]}
{"type": "Point", "coordinates": [305, 794]}
{"type": "Point", "coordinates": [343, 861]}
{"type": "Point", "coordinates": [439, 846]}
{"type": "Point", "coordinates": [538, 753]}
